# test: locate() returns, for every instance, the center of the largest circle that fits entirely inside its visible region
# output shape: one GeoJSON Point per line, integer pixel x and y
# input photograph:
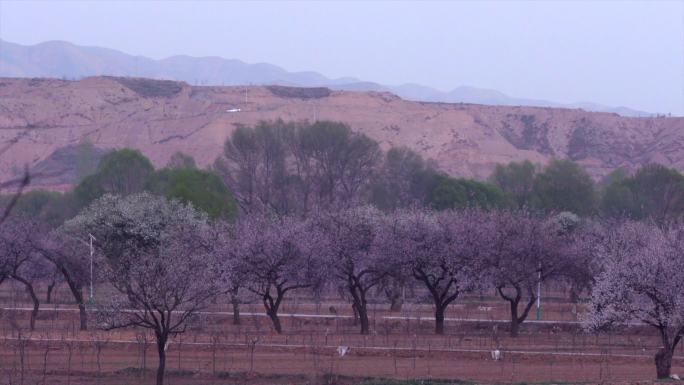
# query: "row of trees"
{"type": "Point", "coordinates": [124, 172]}
{"type": "Point", "coordinates": [291, 168]}
{"type": "Point", "coordinates": [294, 168]}
{"type": "Point", "coordinates": [654, 192]}
{"type": "Point", "coordinates": [168, 261]}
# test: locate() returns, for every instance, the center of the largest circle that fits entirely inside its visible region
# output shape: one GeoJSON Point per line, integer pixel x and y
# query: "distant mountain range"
{"type": "Point", "coordinates": [59, 59]}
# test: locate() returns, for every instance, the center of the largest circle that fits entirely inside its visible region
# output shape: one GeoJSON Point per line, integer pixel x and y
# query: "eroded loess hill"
{"type": "Point", "coordinates": [41, 116]}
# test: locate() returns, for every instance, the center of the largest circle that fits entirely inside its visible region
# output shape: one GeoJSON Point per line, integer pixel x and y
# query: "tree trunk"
{"type": "Point", "coordinates": [236, 308]}
{"type": "Point", "coordinates": [34, 299]}
{"type": "Point", "coordinates": [515, 322]}
{"type": "Point", "coordinates": [514, 301]}
{"type": "Point", "coordinates": [77, 292]}
{"type": "Point", "coordinates": [443, 289]}
{"type": "Point", "coordinates": [395, 295]}
{"type": "Point", "coordinates": [161, 350]}
{"type": "Point", "coordinates": [396, 304]}
{"type": "Point", "coordinates": [355, 312]}
{"type": "Point", "coordinates": [363, 317]}
{"type": "Point", "coordinates": [574, 295]}
{"type": "Point", "coordinates": [359, 303]}
{"type": "Point", "coordinates": [439, 319]}
{"type": "Point", "coordinates": [48, 295]}
{"type": "Point", "coordinates": [515, 327]}
{"type": "Point", "coordinates": [396, 300]}
{"type": "Point", "coordinates": [83, 316]}
{"type": "Point", "coordinates": [82, 313]}
{"type": "Point", "coordinates": [272, 307]}
{"type": "Point", "coordinates": [276, 321]}
{"type": "Point", "coordinates": [36, 305]}
{"type": "Point", "coordinates": [663, 361]}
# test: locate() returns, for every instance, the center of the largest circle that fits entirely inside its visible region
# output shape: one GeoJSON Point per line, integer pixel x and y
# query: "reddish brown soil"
{"type": "Point", "coordinates": [217, 352]}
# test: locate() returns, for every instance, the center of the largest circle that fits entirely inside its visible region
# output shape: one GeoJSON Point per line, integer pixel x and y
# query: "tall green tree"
{"type": "Point", "coordinates": [402, 181]}
{"type": "Point", "coordinates": [617, 198]}
{"type": "Point", "coordinates": [180, 160]}
{"type": "Point", "coordinates": [285, 167]}
{"type": "Point", "coordinates": [456, 193]}
{"type": "Point", "coordinates": [203, 189]}
{"type": "Point", "coordinates": [254, 166]}
{"type": "Point", "coordinates": [121, 172]}
{"type": "Point", "coordinates": [564, 185]}
{"type": "Point", "coordinates": [517, 180]}
{"type": "Point", "coordinates": [336, 163]}
{"type": "Point", "coordinates": [659, 192]}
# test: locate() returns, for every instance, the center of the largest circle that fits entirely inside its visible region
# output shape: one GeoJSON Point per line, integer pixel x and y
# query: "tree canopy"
{"type": "Point", "coordinates": [564, 186]}
{"type": "Point", "coordinates": [120, 172]}
{"type": "Point", "coordinates": [653, 192]}
{"type": "Point", "coordinates": [517, 180]}
{"type": "Point", "coordinates": [203, 189]}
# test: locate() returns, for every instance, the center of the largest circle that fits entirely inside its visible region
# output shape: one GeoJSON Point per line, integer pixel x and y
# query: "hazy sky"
{"type": "Point", "coordinates": [613, 52]}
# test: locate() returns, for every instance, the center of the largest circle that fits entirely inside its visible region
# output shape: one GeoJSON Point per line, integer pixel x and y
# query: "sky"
{"type": "Point", "coordinates": [617, 53]}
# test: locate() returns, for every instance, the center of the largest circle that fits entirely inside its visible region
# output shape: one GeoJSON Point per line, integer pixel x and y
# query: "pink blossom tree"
{"type": "Point", "coordinates": [349, 236]}
{"type": "Point", "coordinates": [71, 258]}
{"type": "Point", "coordinates": [276, 256]}
{"type": "Point", "coordinates": [438, 250]}
{"type": "Point", "coordinates": [228, 254]}
{"type": "Point", "coordinates": [158, 255]}
{"type": "Point", "coordinates": [19, 260]}
{"type": "Point", "coordinates": [523, 251]}
{"type": "Point", "coordinates": [642, 281]}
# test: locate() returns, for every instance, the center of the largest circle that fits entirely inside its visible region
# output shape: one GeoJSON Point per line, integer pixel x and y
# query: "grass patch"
{"type": "Point", "coordinates": [547, 383]}
{"type": "Point", "coordinates": [387, 381]}
{"type": "Point", "coordinates": [151, 88]}
{"type": "Point", "coordinates": [300, 92]}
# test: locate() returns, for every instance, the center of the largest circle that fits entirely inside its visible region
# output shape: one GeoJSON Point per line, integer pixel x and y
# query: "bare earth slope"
{"type": "Point", "coordinates": [160, 117]}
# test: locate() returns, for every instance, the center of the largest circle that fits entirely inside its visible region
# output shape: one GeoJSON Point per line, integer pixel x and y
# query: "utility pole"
{"type": "Point", "coordinates": [91, 265]}
{"type": "Point", "coordinates": [539, 294]}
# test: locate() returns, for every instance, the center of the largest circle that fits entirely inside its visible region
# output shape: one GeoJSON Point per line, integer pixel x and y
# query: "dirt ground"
{"type": "Point", "coordinates": [401, 346]}
{"type": "Point", "coordinates": [120, 363]}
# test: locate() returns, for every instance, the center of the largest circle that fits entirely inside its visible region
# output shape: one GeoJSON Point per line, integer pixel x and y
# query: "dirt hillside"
{"type": "Point", "coordinates": [41, 116]}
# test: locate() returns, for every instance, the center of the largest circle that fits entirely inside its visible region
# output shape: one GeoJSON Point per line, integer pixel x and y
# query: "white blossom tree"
{"type": "Point", "coordinates": [642, 281]}
{"type": "Point", "coordinates": [158, 255]}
